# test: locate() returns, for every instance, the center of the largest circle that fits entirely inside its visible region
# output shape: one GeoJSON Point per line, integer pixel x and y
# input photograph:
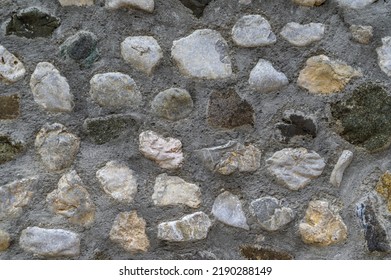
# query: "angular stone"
{"type": "Point", "coordinates": [5, 240]}
{"type": "Point", "coordinates": [228, 110]}
{"type": "Point", "coordinates": [81, 47]}
{"type": "Point", "coordinates": [197, 6]}
{"type": "Point", "coordinates": [253, 31]}
{"type": "Point", "coordinates": [9, 107]}
{"type": "Point", "coordinates": [142, 53]}
{"type": "Point", "coordinates": [203, 54]}
{"type": "Point", "coordinates": [115, 90]}
{"type": "Point", "coordinates": [295, 168]}
{"type": "Point", "coordinates": [321, 226]}
{"type": "Point", "coordinates": [324, 76]}
{"type": "Point", "coordinates": [172, 190]}
{"type": "Point", "coordinates": [129, 232]}
{"type": "Point", "coordinates": [343, 162]}
{"type": "Point", "coordinates": [270, 214]}
{"type": "Point", "coordinates": [265, 78]}
{"type": "Point", "coordinates": [172, 104]}
{"type": "Point", "coordinates": [72, 200]}
{"type": "Point", "coordinates": [258, 253]}
{"type": "Point", "coordinates": [231, 157]}
{"type": "Point", "coordinates": [189, 228]}
{"type": "Point", "coordinates": [56, 146]}
{"type": "Point", "coordinates": [355, 4]}
{"type": "Point", "coordinates": [361, 33]}
{"type": "Point", "coordinates": [384, 55]}
{"type": "Point", "coordinates": [32, 22]}
{"type": "Point", "coordinates": [227, 208]}
{"type": "Point", "coordinates": [76, 2]}
{"type": "Point", "coordinates": [14, 196]}
{"type": "Point", "coordinates": [383, 187]}
{"type": "Point", "coordinates": [118, 180]}
{"type": "Point", "coordinates": [50, 242]}
{"type": "Point", "coordinates": [11, 68]}
{"type": "Point", "coordinates": [302, 35]}
{"type": "Point", "coordinates": [51, 90]}
{"type": "Point", "coordinates": [166, 152]}
{"type": "Point", "coordinates": [309, 3]}
{"type": "Point", "coordinates": [296, 124]}
{"type": "Point", "coordinates": [9, 149]}
{"type": "Point", "coordinates": [144, 5]}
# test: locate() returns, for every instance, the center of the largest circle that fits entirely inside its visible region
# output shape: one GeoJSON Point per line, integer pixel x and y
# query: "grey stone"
{"type": "Point", "coordinates": [5, 240]}
{"type": "Point", "coordinates": [355, 4]}
{"type": "Point", "coordinates": [361, 33]}
{"type": "Point", "coordinates": [81, 47]}
{"type": "Point", "coordinates": [302, 35]}
{"type": "Point", "coordinates": [11, 68]}
{"type": "Point", "coordinates": [253, 31]}
{"type": "Point", "coordinates": [343, 162]}
{"type": "Point", "coordinates": [145, 5]}
{"type": "Point", "coordinates": [172, 104]}
{"type": "Point", "coordinates": [76, 2]}
{"type": "Point", "coordinates": [384, 55]}
{"type": "Point", "coordinates": [309, 3]}
{"type": "Point", "coordinates": [265, 78]}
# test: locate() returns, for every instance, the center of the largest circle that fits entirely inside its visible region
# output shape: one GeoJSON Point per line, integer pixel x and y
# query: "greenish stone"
{"type": "Point", "coordinates": [8, 149]}
{"type": "Point", "coordinates": [9, 107]}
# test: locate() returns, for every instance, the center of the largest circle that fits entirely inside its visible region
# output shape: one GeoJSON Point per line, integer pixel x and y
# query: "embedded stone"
{"type": "Point", "coordinates": [5, 240]}
{"type": "Point", "coordinates": [309, 3]}
{"type": "Point", "coordinates": [76, 2]}
{"type": "Point", "coordinates": [361, 33]}
{"type": "Point", "coordinates": [9, 107]}
{"type": "Point", "coordinates": [253, 31]}
{"type": "Point", "coordinates": [173, 190]}
{"type": "Point", "coordinates": [203, 54]}
{"type": "Point", "coordinates": [383, 187]}
{"type": "Point", "coordinates": [295, 168]}
{"type": "Point", "coordinates": [265, 78]}
{"type": "Point", "coordinates": [166, 152]}
{"type": "Point", "coordinates": [196, 6]}
{"type": "Point", "coordinates": [355, 4]}
{"type": "Point", "coordinates": [144, 5]}
{"type": "Point", "coordinates": [296, 124]}
{"type": "Point", "coordinates": [227, 208]}
{"type": "Point", "coordinates": [172, 104]}
{"type": "Point", "coordinates": [50, 242]}
{"type": "Point", "coordinates": [384, 55]}
{"type": "Point", "coordinates": [128, 231]}
{"type": "Point", "coordinates": [258, 253]}
{"type": "Point", "coordinates": [302, 35]}
{"type": "Point", "coordinates": [321, 226]}
{"type": "Point", "coordinates": [189, 228]}
{"type": "Point", "coordinates": [118, 181]}
{"type": "Point", "coordinates": [81, 47]}
{"type": "Point", "coordinates": [9, 149]}
{"type": "Point", "coordinates": [11, 68]}
{"type": "Point", "coordinates": [56, 146]}
{"type": "Point", "coordinates": [51, 90]}
{"type": "Point", "coordinates": [343, 162]}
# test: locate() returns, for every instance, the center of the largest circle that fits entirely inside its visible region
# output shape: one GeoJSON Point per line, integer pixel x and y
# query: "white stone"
{"type": "Point", "coordinates": [51, 90]}
{"type": "Point", "coordinates": [11, 69]}
{"type": "Point", "coordinates": [265, 78]}
{"type": "Point", "coordinates": [203, 54]}
{"type": "Point", "coordinates": [142, 52]}
{"type": "Point", "coordinates": [355, 4]}
{"type": "Point", "coordinates": [172, 190]}
{"type": "Point", "coordinates": [253, 31]}
{"type": "Point", "coordinates": [76, 2]}
{"type": "Point", "coordinates": [118, 180]}
{"type": "Point", "coordinates": [343, 162]}
{"type": "Point", "coordinates": [384, 55]}
{"type": "Point", "coordinates": [145, 5]}
{"type": "Point", "coordinates": [302, 35]}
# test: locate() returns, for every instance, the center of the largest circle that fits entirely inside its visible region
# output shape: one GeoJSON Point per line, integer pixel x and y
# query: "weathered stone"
{"type": "Point", "coordinates": [31, 23]}
{"type": "Point", "coordinates": [355, 4]}
{"type": "Point", "coordinates": [115, 90]}
{"type": "Point", "coordinates": [50, 89]}
{"type": "Point", "coordinates": [9, 149]}
{"type": "Point", "coordinates": [72, 200]}
{"type": "Point", "coordinates": [166, 152]}
{"type": "Point", "coordinates": [144, 5]}
{"type": "Point", "coordinates": [196, 6]}
{"type": "Point", "coordinates": [384, 55]}
{"type": "Point", "coordinates": [245, 2]}
{"type": "Point", "coordinates": [11, 68]}
{"type": "Point", "coordinates": [129, 232]}
{"type": "Point", "coordinates": [309, 3]}
{"type": "Point", "coordinates": [302, 35]}
{"type": "Point", "coordinates": [258, 253]}
{"type": "Point", "coordinates": [142, 53]}
{"type": "Point", "coordinates": [296, 124]}
{"type": "Point", "coordinates": [228, 110]}
{"type": "Point", "coordinates": [361, 33]}
{"type": "Point", "coordinates": [321, 226]}
{"type": "Point", "coordinates": [191, 227]}
{"type": "Point", "coordinates": [383, 187]}
{"type": "Point", "coordinates": [324, 76]}
{"type": "Point", "coordinates": [76, 2]}
{"type": "Point", "coordinates": [81, 47]}
{"type": "Point", "coordinates": [50, 242]}
{"type": "Point", "coordinates": [172, 190]}
{"type": "Point", "coordinates": [343, 162]}
{"type": "Point", "coordinates": [265, 78]}
{"type": "Point", "coordinates": [227, 208]}
{"type": "Point", "coordinates": [253, 31]}
{"type": "Point", "coordinates": [56, 146]}
{"type": "Point", "coordinates": [172, 104]}
{"type": "Point", "coordinates": [5, 240]}
{"type": "Point", "coordinates": [118, 180]}
{"type": "Point", "coordinates": [295, 168]}
{"type": "Point", "coordinates": [9, 107]}
{"type": "Point", "coordinates": [270, 214]}
{"type": "Point", "coordinates": [203, 54]}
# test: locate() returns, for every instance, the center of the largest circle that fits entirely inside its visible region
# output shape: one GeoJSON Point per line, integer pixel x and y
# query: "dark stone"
{"type": "Point", "coordinates": [196, 6]}
{"type": "Point", "coordinates": [9, 107]}
{"type": "Point", "coordinates": [31, 23]}
{"type": "Point", "coordinates": [257, 253]}
{"type": "Point", "coordinates": [296, 124]}
{"type": "Point", "coordinates": [8, 149]}
{"type": "Point", "coordinates": [81, 47]}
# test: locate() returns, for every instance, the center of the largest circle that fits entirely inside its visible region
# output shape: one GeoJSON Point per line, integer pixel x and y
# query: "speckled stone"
{"type": "Point", "coordinates": [265, 78]}
{"type": "Point", "coordinates": [253, 31]}
{"type": "Point", "coordinates": [9, 149]}
{"type": "Point", "coordinates": [144, 5]}
{"type": "Point", "coordinates": [172, 104]}
{"type": "Point", "coordinates": [11, 68]}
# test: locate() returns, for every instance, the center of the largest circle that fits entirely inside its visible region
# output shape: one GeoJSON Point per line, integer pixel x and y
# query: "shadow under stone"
{"type": "Point", "coordinates": [196, 6]}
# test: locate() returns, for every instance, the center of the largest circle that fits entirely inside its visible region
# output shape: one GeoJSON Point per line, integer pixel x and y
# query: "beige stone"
{"type": "Point", "coordinates": [11, 69]}
{"type": "Point", "coordinates": [76, 2]}
{"type": "Point", "coordinates": [4, 240]}
{"type": "Point", "coordinates": [309, 3]}
{"type": "Point", "coordinates": [361, 33]}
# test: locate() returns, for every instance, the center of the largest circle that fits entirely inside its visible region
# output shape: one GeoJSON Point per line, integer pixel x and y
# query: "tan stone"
{"type": "Point", "coordinates": [309, 3]}
{"type": "Point", "coordinates": [4, 240]}
{"type": "Point", "coordinates": [383, 187]}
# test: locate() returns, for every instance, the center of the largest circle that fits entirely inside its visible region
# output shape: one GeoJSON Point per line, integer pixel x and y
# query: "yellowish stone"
{"type": "Point", "coordinates": [383, 187]}
{"type": "Point", "coordinates": [4, 240]}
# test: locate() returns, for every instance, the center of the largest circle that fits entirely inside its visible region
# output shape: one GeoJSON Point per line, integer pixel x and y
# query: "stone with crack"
{"type": "Point", "coordinates": [343, 162]}
{"type": "Point", "coordinates": [265, 78]}
{"type": "Point", "coordinates": [253, 31]}
{"type": "Point", "coordinates": [11, 68]}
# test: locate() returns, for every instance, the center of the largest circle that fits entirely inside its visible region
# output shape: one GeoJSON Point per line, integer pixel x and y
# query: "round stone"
{"type": "Point", "coordinates": [253, 31]}
{"type": "Point", "coordinates": [172, 104]}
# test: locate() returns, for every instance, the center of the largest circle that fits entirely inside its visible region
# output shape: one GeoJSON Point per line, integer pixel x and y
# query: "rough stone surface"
{"type": "Point", "coordinates": [76, 2]}
{"type": "Point", "coordinates": [343, 162]}
{"type": "Point", "coordinates": [172, 104]}
{"type": "Point", "coordinates": [309, 3]}
{"type": "Point", "coordinates": [384, 55]}
{"type": "Point", "coordinates": [144, 5]}
{"type": "Point", "coordinates": [265, 78]}
{"type": "Point", "coordinates": [253, 31]}
{"type": "Point", "coordinates": [355, 4]}
{"type": "Point", "coordinates": [81, 47]}
{"type": "Point", "coordinates": [383, 187]}
{"type": "Point", "coordinates": [11, 68]}
{"type": "Point", "coordinates": [9, 149]}
{"type": "Point", "coordinates": [361, 33]}
{"type": "Point", "coordinates": [5, 240]}
{"type": "Point", "coordinates": [9, 107]}
{"type": "Point", "coordinates": [296, 124]}
{"type": "Point", "coordinates": [302, 35]}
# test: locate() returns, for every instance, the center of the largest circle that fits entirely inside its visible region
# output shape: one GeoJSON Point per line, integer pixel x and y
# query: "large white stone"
{"type": "Point", "coordinates": [355, 4]}
{"type": "Point", "coordinates": [145, 5]}
{"type": "Point", "coordinates": [302, 35]}
{"type": "Point", "coordinates": [265, 78]}
{"type": "Point", "coordinates": [76, 2]}
{"type": "Point", "coordinates": [11, 69]}
{"type": "Point", "coordinates": [253, 31]}
{"type": "Point", "coordinates": [384, 55]}
{"type": "Point", "coordinates": [343, 162]}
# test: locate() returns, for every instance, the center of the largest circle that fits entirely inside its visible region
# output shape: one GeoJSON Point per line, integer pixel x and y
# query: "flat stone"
{"type": "Point", "coordinates": [9, 149]}
{"type": "Point", "coordinates": [259, 253]}
{"type": "Point", "coordinates": [189, 228]}
{"type": "Point", "coordinates": [228, 110]}
{"type": "Point", "coordinates": [302, 35]}
{"type": "Point", "coordinates": [173, 190]}
{"type": "Point", "coordinates": [166, 152]}
{"type": "Point", "coordinates": [383, 187]}
{"type": "Point", "coordinates": [384, 55]}
{"type": "Point", "coordinates": [81, 47]}
{"type": "Point", "coordinates": [11, 68]}
{"type": "Point", "coordinates": [72, 200]}
{"type": "Point", "coordinates": [50, 242]}
{"type": "Point", "coordinates": [355, 4]}
{"type": "Point", "coordinates": [361, 33]}
{"type": "Point", "coordinates": [265, 78]}
{"type": "Point", "coordinates": [227, 208]}
{"type": "Point", "coordinates": [142, 53]}
{"type": "Point", "coordinates": [51, 90]}
{"type": "Point", "coordinates": [118, 181]}
{"type": "Point", "coordinates": [231, 157]}
{"type": "Point", "coordinates": [270, 214]}
{"type": "Point", "coordinates": [322, 75]}
{"type": "Point", "coordinates": [76, 2]}
{"type": "Point", "coordinates": [343, 162]}
{"type": "Point", "coordinates": [172, 104]}
{"type": "Point", "coordinates": [129, 232]}
{"type": "Point", "coordinates": [144, 5]}
{"type": "Point", "coordinates": [32, 22]}
{"type": "Point", "coordinates": [115, 90]}
{"type": "Point", "coordinates": [253, 31]}
{"type": "Point", "coordinates": [295, 168]}
{"type": "Point", "coordinates": [196, 6]}
{"type": "Point", "coordinates": [56, 146]}
{"type": "Point", "coordinates": [321, 226]}
{"type": "Point", "coordinates": [309, 3]}
{"type": "Point", "coordinates": [296, 124]}
{"type": "Point", "coordinates": [9, 107]}
{"type": "Point", "coordinates": [245, 2]}
{"type": "Point", "coordinates": [5, 240]}
{"type": "Point", "coordinates": [203, 54]}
